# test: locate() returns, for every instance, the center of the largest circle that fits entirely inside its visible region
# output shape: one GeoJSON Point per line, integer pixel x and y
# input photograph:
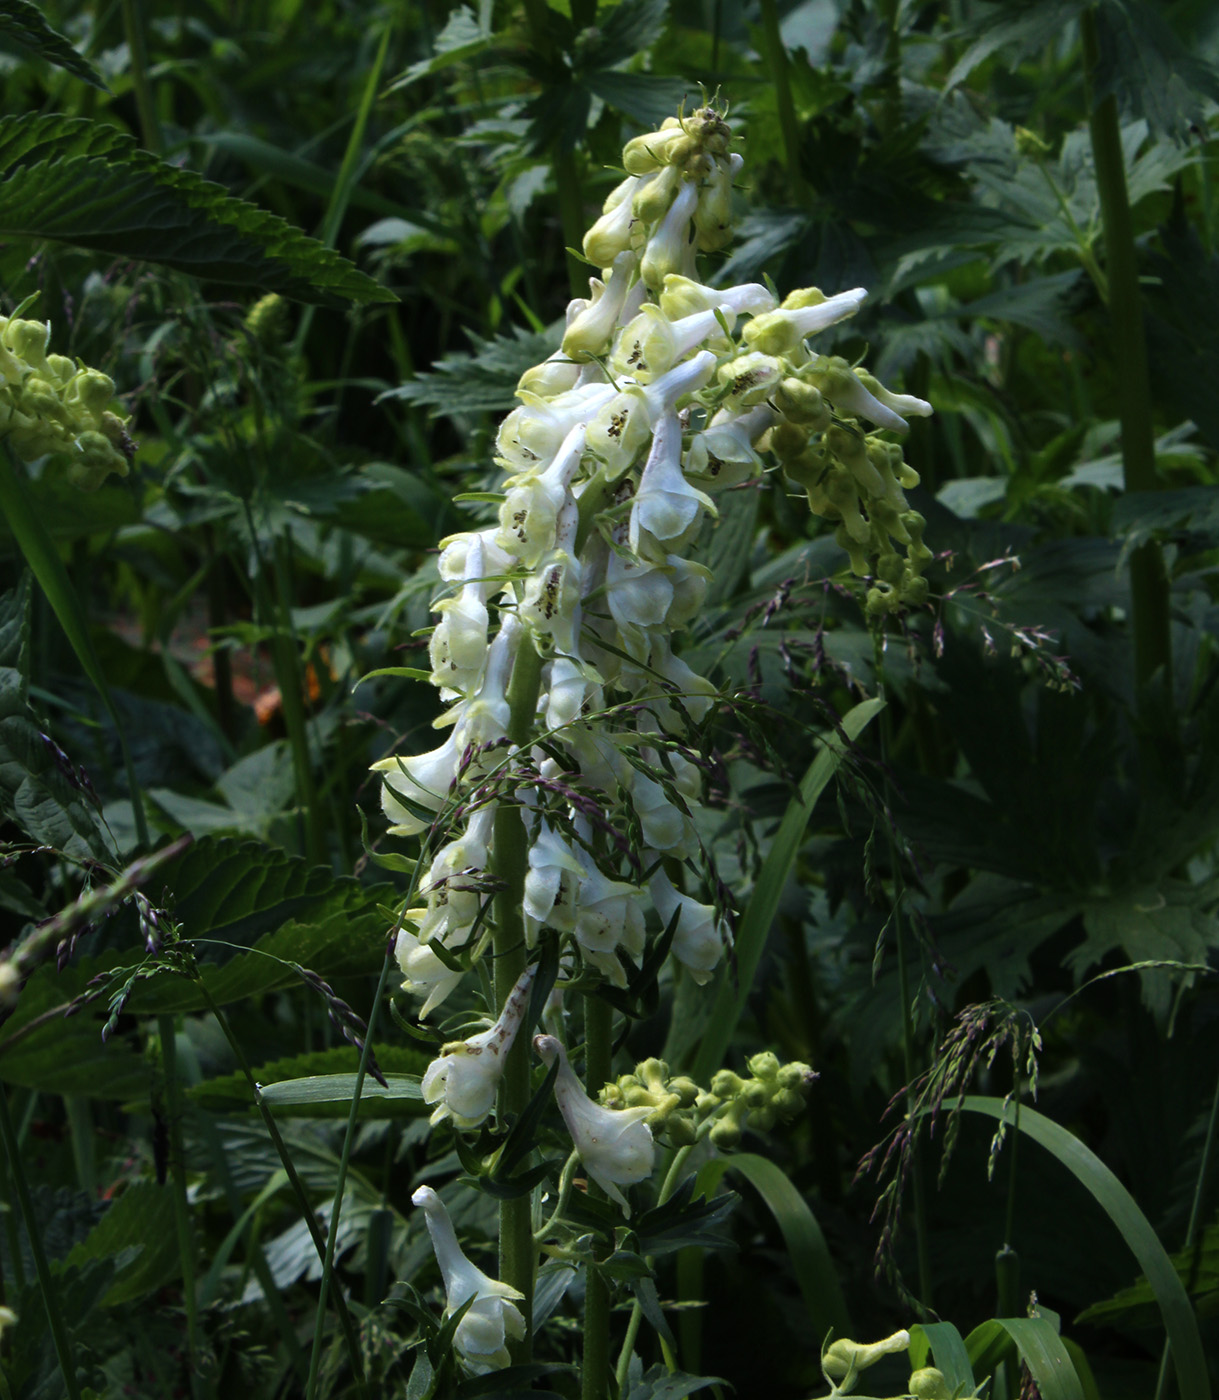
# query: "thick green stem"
{"type": "Point", "coordinates": [598, 1050]}
{"type": "Point", "coordinates": [776, 64]}
{"type": "Point", "coordinates": [61, 1338]}
{"type": "Point", "coordinates": [509, 863]}
{"type": "Point", "coordinates": [1149, 592]}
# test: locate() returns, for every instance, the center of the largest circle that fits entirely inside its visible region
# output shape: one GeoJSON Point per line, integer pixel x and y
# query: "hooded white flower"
{"type": "Point", "coordinates": [571, 683]}
{"type": "Point", "coordinates": [639, 593]}
{"type": "Point", "coordinates": [493, 1317]}
{"type": "Point", "coordinates": [695, 692]}
{"type": "Point", "coordinates": [458, 646]}
{"type": "Point", "coordinates": [462, 1081]}
{"type": "Point", "coordinates": [624, 421]}
{"type": "Point", "coordinates": [615, 1145]}
{"type": "Point", "coordinates": [552, 883]}
{"type": "Point", "coordinates": [802, 313]}
{"type": "Point", "coordinates": [665, 826]}
{"type": "Point", "coordinates": [666, 505]}
{"type": "Point", "coordinates": [651, 344]}
{"type": "Point", "coordinates": [589, 333]}
{"type": "Point", "coordinates": [611, 234]}
{"type": "Point", "coordinates": [723, 454]}
{"type": "Point", "coordinates": [455, 558]}
{"type": "Point", "coordinates": [670, 248]}
{"type": "Point", "coordinates": [423, 973]}
{"type": "Point", "coordinates": [531, 435]}
{"type": "Point", "coordinates": [847, 391]}
{"type": "Point", "coordinates": [682, 296]}
{"type": "Point", "coordinates": [551, 601]}
{"type": "Point", "coordinates": [608, 917]}
{"type": "Point", "coordinates": [699, 939]}
{"type": "Point", "coordinates": [529, 517]}
{"type": "Point", "coordinates": [424, 779]}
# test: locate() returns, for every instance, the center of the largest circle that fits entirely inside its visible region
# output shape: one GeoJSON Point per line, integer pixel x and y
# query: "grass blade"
{"type": "Point", "coordinates": [806, 1246]}
{"type": "Point", "coordinates": [758, 917]}
{"type": "Point", "coordinates": [1134, 1227]}
{"type": "Point", "coordinates": [942, 1341]}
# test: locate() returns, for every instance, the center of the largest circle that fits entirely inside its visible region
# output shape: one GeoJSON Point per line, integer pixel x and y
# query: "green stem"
{"type": "Point", "coordinates": [571, 214]}
{"type": "Point", "coordinates": [60, 1337]}
{"type": "Point", "coordinates": [1191, 1230]}
{"type": "Point", "coordinates": [166, 1029]}
{"type": "Point", "coordinates": [149, 125]}
{"type": "Point", "coordinates": [777, 68]}
{"type": "Point", "coordinates": [324, 1247]}
{"type": "Point", "coordinates": [1148, 581]}
{"type": "Point", "coordinates": [598, 1050]}
{"type": "Point", "coordinates": [509, 862]}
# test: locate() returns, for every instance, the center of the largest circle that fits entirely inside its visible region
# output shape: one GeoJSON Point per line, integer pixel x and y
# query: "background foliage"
{"type": "Point", "coordinates": [1048, 804]}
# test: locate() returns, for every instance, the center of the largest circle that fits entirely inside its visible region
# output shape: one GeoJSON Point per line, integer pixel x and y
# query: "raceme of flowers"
{"type": "Point", "coordinates": [664, 393]}
{"type": "Point", "coordinates": [49, 403]}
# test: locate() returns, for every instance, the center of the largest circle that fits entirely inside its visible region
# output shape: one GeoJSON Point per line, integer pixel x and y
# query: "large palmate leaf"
{"type": "Point", "coordinates": [23, 24]}
{"type": "Point", "coordinates": [41, 790]}
{"type": "Point", "coordinates": [77, 182]}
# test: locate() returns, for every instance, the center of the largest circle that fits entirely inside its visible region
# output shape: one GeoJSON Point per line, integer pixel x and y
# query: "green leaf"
{"type": "Point", "coordinates": [1037, 1341]}
{"type": "Point", "coordinates": [22, 23]}
{"type": "Point", "coordinates": [41, 791]}
{"type": "Point", "coordinates": [142, 1218]}
{"type": "Point", "coordinates": [645, 97]}
{"type": "Point", "coordinates": [759, 915]}
{"type": "Point", "coordinates": [485, 382]}
{"type": "Point", "coordinates": [1198, 1269]}
{"type": "Point", "coordinates": [1021, 26]}
{"type": "Point", "coordinates": [812, 1264]}
{"type": "Point", "coordinates": [659, 1383]}
{"type": "Point", "coordinates": [231, 1092]}
{"type": "Point", "coordinates": [1135, 1229]}
{"type": "Point", "coordinates": [330, 1095]}
{"type": "Point", "coordinates": [79, 183]}
{"type": "Point", "coordinates": [1149, 70]}
{"type": "Point", "coordinates": [942, 1341]}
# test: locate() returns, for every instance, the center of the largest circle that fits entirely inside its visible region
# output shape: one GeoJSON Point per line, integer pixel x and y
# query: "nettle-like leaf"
{"type": "Point", "coordinates": [1150, 71]}
{"type": "Point", "coordinates": [1021, 27]}
{"type": "Point", "coordinates": [78, 182]}
{"type": "Point", "coordinates": [23, 24]}
{"type": "Point", "coordinates": [484, 382]}
{"type": "Point", "coordinates": [41, 791]}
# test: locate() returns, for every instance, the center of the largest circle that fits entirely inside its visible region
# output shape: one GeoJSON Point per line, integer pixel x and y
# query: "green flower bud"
{"type": "Point", "coordinates": [93, 389]}
{"type": "Point", "coordinates": [680, 1130]}
{"type": "Point", "coordinates": [803, 403]}
{"type": "Point", "coordinates": [843, 1358]}
{"type": "Point", "coordinates": [267, 320]}
{"type": "Point", "coordinates": [726, 1085]}
{"type": "Point", "coordinates": [725, 1133]}
{"type": "Point", "coordinates": [764, 1065]}
{"type": "Point", "coordinates": [891, 568]}
{"type": "Point", "coordinates": [644, 154]}
{"type": "Point", "coordinates": [929, 1384]}
{"type": "Point", "coordinates": [686, 1090]}
{"type": "Point", "coordinates": [787, 441]}
{"type": "Point", "coordinates": [882, 598]}
{"type": "Point", "coordinates": [914, 591]}
{"type": "Point", "coordinates": [652, 201]}
{"type": "Point", "coordinates": [29, 340]}
{"type": "Point", "coordinates": [61, 369]}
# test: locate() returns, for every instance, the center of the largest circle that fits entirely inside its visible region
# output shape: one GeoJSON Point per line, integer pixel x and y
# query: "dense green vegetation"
{"type": "Point", "coordinates": [965, 832]}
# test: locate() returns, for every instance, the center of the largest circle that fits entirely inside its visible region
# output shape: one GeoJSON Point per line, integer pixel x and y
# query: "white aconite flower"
{"type": "Point", "coordinates": [493, 1317]}
{"type": "Point", "coordinates": [455, 554]}
{"type": "Point", "coordinates": [608, 917]}
{"type": "Point", "coordinates": [424, 779]}
{"type": "Point", "coordinates": [615, 1145]}
{"type": "Point", "coordinates": [571, 684]}
{"type": "Point", "coordinates": [802, 313]}
{"type": "Point", "coordinates": [723, 454]}
{"type": "Point", "coordinates": [529, 517]}
{"type": "Point", "coordinates": [611, 234]}
{"type": "Point", "coordinates": [552, 883]}
{"type": "Point", "coordinates": [458, 646]}
{"type": "Point", "coordinates": [462, 1081]}
{"type": "Point", "coordinates": [695, 692]}
{"type": "Point", "coordinates": [531, 435]}
{"type": "Point", "coordinates": [589, 333]}
{"type": "Point", "coordinates": [670, 249]}
{"type": "Point", "coordinates": [665, 826]}
{"type": "Point", "coordinates": [551, 602]}
{"type": "Point", "coordinates": [638, 593]}
{"type": "Point", "coordinates": [652, 344]}
{"type": "Point", "coordinates": [682, 296]}
{"type": "Point", "coordinates": [699, 939]}
{"type": "Point", "coordinates": [665, 505]}
{"type": "Point", "coordinates": [624, 422]}
{"type": "Point", "coordinates": [424, 974]}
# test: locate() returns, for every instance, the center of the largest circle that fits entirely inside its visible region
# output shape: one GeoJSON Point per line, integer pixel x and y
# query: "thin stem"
{"type": "Point", "coordinates": [903, 978]}
{"type": "Point", "coordinates": [777, 68]}
{"type": "Point", "coordinates": [167, 1030]}
{"type": "Point", "coordinates": [598, 1051]}
{"type": "Point", "coordinates": [60, 1336]}
{"type": "Point", "coordinates": [150, 127]}
{"type": "Point", "coordinates": [1148, 581]}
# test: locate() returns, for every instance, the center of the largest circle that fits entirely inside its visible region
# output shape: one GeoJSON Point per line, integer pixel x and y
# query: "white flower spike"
{"type": "Point", "coordinates": [615, 1145]}
{"type": "Point", "coordinates": [482, 1334]}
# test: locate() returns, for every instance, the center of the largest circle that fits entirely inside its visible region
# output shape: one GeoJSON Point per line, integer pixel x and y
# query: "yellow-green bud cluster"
{"type": "Point", "coordinates": [676, 176]}
{"type": "Point", "coordinates": [267, 320]}
{"type": "Point", "coordinates": [843, 1360]}
{"type": "Point", "coordinates": [50, 404]}
{"type": "Point", "coordinates": [672, 1100]}
{"type": "Point", "coordinates": [774, 1091]}
{"type": "Point", "coordinates": [927, 1383]}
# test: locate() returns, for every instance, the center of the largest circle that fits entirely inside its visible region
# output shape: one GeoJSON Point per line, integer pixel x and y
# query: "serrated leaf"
{"type": "Point", "coordinates": [70, 181]}
{"type": "Point", "coordinates": [1150, 71]}
{"type": "Point", "coordinates": [23, 23]}
{"type": "Point", "coordinates": [40, 788]}
{"type": "Point", "coordinates": [483, 382]}
{"type": "Point", "coordinates": [659, 1383]}
{"type": "Point", "coordinates": [141, 1218]}
{"type": "Point", "coordinates": [647, 98]}
{"type": "Point", "coordinates": [1019, 26]}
